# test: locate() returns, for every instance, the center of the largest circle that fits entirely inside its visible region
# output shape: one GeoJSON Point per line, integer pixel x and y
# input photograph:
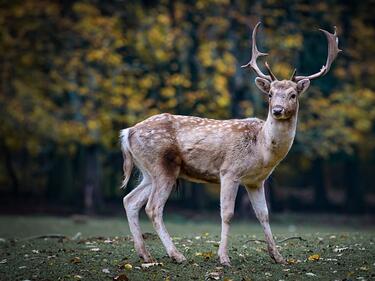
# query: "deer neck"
{"type": "Point", "coordinates": [278, 137]}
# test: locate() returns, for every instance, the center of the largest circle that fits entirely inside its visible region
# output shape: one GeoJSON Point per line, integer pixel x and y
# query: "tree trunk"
{"type": "Point", "coordinates": [321, 201]}
{"type": "Point", "coordinates": [354, 188]}
{"type": "Point", "coordinates": [10, 168]}
{"type": "Point", "coordinates": [92, 195]}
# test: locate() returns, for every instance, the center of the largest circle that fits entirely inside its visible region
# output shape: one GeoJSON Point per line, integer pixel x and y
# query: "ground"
{"type": "Point", "coordinates": [101, 249]}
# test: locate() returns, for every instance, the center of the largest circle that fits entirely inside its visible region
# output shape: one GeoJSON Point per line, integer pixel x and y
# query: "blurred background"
{"type": "Point", "coordinates": [73, 73]}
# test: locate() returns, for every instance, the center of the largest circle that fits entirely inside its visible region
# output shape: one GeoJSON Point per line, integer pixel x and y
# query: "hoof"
{"type": "Point", "coordinates": [225, 261]}
{"type": "Point", "coordinates": [147, 258]}
{"type": "Point", "coordinates": [178, 257]}
{"type": "Point", "coordinates": [279, 259]}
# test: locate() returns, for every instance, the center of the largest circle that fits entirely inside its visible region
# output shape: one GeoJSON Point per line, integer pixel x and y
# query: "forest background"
{"type": "Point", "coordinates": [73, 73]}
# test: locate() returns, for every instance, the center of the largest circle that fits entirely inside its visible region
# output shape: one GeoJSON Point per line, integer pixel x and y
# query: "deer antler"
{"type": "Point", "coordinates": [255, 54]}
{"type": "Point", "coordinates": [273, 77]}
{"type": "Point", "coordinates": [333, 50]}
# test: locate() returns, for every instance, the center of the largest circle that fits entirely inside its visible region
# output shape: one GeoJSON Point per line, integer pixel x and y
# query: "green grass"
{"type": "Point", "coordinates": [346, 250]}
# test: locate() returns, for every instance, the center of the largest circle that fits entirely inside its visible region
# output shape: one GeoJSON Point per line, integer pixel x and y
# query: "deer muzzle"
{"type": "Point", "coordinates": [278, 111]}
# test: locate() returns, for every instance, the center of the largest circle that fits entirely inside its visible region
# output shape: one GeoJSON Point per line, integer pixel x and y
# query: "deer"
{"type": "Point", "coordinates": [167, 147]}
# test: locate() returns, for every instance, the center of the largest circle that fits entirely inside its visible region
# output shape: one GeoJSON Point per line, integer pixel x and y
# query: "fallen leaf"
{"type": "Point", "coordinates": [314, 257]}
{"type": "Point", "coordinates": [213, 275]}
{"type": "Point", "coordinates": [75, 260]}
{"type": "Point", "coordinates": [128, 266]}
{"type": "Point", "coordinates": [339, 250]}
{"type": "Point", "coordinates": [3, 261]}
{"type": "Point", "coordinates": [121, 277]}
{"type": "Point", "coordinates": [77, 277]}
{"type": "Point", "coordinates": [105, 270]}
{"type": "Point", "coordinates": [291, 261]}
{"type": "Point", "coordinates": [310, 274]}
{"type": "Point", "coordinates": [147, 265]}
{"type": "Point", "coordinates": [329, 259]}
{"type": "Point", "coordinates": [95, 249]}
{"type": "Point", "coordinates": [205, 255]}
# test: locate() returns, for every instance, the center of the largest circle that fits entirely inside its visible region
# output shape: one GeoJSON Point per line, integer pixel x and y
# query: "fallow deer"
{"type": "Point", "coordinates": [235, 152]}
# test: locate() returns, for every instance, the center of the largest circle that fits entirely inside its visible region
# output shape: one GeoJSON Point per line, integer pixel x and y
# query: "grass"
{"type": "Point", "coordinates": [346, 250]}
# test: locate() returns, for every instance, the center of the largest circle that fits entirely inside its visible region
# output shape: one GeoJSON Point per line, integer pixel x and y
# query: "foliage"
{"type": "Point", "coordinates": [74, 73]}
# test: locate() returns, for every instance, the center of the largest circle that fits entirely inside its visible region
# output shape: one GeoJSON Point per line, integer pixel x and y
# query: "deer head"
{"type": "Point", "coordinates": [283, 95]}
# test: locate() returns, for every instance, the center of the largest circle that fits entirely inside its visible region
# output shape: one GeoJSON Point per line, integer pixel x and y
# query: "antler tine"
{"type": "Point", "coordinates": [273, 77]}
{"type": "Point", "coordinates": [333, 50]}
{"type": "Point", "coordinates": [293, 75]}
{"type": "Point", "coordinates": [255, 54]}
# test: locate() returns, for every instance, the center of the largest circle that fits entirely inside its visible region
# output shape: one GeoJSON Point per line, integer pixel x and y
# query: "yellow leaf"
{"type": "Point", "coordinates": [205, 255]}
{"type": "Point", "coordinates": [128, 266]}
{"type": "Point", "coordinates": [314, 257]}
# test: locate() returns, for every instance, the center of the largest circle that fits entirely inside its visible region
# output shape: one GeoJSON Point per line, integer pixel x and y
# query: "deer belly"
{"type": "Point", "coordinates": [200, 166]}
{"type": "Point", "coordinates": [198, 174]}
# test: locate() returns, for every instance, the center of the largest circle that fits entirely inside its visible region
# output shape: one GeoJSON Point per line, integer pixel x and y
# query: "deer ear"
{"type": "Point", "coordinates": [263, 84]}
{"type": "Point", "coordinates": [303, 85]}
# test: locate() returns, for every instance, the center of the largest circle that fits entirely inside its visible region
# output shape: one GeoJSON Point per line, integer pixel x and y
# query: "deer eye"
{"type": "Point", "coordinates": [293, 96]}
{"type": "Point", "coordinates": [270, 95]}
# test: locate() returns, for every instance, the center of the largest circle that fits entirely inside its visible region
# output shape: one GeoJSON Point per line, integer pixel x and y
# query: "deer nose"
{"type": "Point", "coordinates": [277, 110]}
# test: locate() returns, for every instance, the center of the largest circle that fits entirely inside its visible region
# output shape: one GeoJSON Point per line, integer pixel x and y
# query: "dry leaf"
{"type": "Point", "coordinates": [205, 255]}
{"type": "Point", "coordinates": [75, 260]}
{"type": "Point", "coordinates": [339, 250]}
{"type": "Point", "coordinates": [121, 277]}
{"type": "Point", "coordinates": [147, 265]}
{"type": "Point", "coordinates": [105, 270]}
{"type": "Point", "coordinates": [213, 275]}
{"type": "Point", "coordinates": [291, 261]}
{"type": "Point", "coordinates": [314, 257]}
{"type": "Point", "coordinates": [128, 266]}
{"type": "Point", "coordinates": [310, 274]}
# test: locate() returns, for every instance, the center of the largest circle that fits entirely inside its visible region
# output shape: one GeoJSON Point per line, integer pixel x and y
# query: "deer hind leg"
{"type": "Point", "coordinates": [133, 202]}
{"type": "Point", "coordinates": [258, 201]}
{"type": "Point", "coordinates": [162, 186]}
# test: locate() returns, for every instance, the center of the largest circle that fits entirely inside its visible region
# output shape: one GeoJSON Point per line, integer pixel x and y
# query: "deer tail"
{"type": "Point", "coordinates": [128, 158]}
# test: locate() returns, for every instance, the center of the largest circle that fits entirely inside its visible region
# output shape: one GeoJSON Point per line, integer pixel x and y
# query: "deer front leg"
{"type": "Point", "coordinates": [258, 201]}
{"type": "Point", "coordinates": [228, 193]}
